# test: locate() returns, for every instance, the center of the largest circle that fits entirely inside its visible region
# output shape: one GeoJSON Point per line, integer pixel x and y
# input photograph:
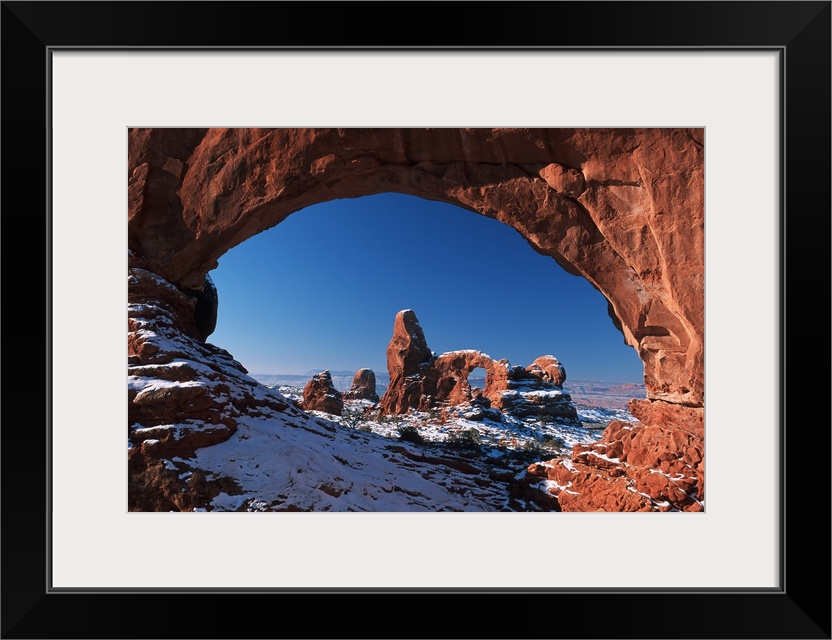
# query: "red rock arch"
{"type": "Point", "coordinates": [621, 207]}
{"type": "Point", "coordinates": [458, 365]}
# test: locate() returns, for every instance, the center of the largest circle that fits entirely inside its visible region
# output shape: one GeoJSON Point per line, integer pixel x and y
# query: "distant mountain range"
{"type": "Point", "coordinates": [334, 372]}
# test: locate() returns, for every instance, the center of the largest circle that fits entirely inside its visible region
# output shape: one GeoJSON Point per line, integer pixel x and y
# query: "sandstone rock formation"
{"type": "Point", "coordinates": [183, 394]}
{"type": "Point", "coordinates": [548, 369]}
{"type": "Point", "coordinates": [179, 389]}
{"type": "Point", "coordinates": [624, 208]}
{"type": "Point", "coordinates": [407, 348]}
{"type": "Point", "coordinates": [320, 394]}
{"type": "Point", "coordinates": [634, 467]}
{"type": "Point", "coordinates": [363, 386]}
{"type": "Point", "coordinates": [421, 380]}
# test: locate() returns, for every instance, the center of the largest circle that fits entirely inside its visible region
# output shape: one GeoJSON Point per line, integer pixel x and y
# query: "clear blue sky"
{"type": "Point", "coordinates": [321, 290]}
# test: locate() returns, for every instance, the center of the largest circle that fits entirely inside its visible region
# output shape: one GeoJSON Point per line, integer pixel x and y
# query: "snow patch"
{"type": "Point", "coordinates": [225, 502]}
{"type": "Point", "coordinates": [603, 456]}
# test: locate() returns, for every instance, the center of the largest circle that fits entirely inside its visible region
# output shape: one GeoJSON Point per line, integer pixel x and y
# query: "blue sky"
{"type": "Point", "coordinates": [321, 290]}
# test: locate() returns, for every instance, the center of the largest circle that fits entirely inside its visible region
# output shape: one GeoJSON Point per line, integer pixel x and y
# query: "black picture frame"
{"type": "Point", "coordinates": [799, 31]}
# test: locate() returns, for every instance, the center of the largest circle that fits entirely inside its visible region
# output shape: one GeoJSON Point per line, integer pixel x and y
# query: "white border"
{"type": "Point", "coordinates": [97, 95]}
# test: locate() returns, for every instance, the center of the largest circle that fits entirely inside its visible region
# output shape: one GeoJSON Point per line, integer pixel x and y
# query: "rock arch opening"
{"type": "Point", "coordinates": [623, 208]}
{"type": "Point", "coordinates": [477, 380]}
{"type": "Point", "coordinates": [321, 289]}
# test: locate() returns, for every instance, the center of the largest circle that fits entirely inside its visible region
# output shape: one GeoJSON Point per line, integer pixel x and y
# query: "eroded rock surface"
{"type": "Point", "coordinates": [657, 465]}
{"type": "Point", "coordinates": [363, 386]}
{"type": "Point", "coordinates": [548, 369]}
{"type": "Point", "coordinates": [320, 394]}
{"type": "Point", "coordinates": [183, 394]}
{"type": "Point", "coordinates": [421, 380]}
{"type": "Point", "coordinates": [624, 208]}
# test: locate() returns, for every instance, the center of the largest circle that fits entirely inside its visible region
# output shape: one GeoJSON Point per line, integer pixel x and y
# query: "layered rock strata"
{"type": "Point", "coordinates": [182, 394]}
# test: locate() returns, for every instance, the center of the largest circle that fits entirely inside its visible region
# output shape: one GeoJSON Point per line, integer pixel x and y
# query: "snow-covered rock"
{"type": "Point", "coordinates": [422, 380]}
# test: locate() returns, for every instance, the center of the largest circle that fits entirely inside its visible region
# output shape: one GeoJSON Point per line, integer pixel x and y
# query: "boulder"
{"type": "Point", "coordinates": [320, 394]}
{"type": "Point", "coordinates": [548, 369]}
{"type": "Point", "coordinates": [363, 386]}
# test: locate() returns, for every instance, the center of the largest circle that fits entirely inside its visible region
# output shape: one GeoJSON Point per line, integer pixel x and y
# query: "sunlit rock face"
{"type": "Point", "coordinates": [548, 369]}
{"type": "Point", "coordinates": [320, 394]}
{"type": "Point", "coordinates": [624, 208]}
{"type": "Point", "coordinates": [654, 464]}
{"type": "Point", "coordinates": [363, 386]}
{"type": "Point", "coordinates": [421, 380]}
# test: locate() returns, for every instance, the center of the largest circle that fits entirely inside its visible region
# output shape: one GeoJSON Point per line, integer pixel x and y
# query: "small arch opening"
{"type": "Point", "coordinates": [477, 380]}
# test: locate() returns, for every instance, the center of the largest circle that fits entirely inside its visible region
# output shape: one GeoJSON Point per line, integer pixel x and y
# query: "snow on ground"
{"type": "Point", "coordinates": [280, 458]}
{"type": "Point", "coordinates": [359, 461]}
{"type": "Point", "coordinates": [509, 432]}
{"type": "Point", "coordinates": [599, 416]}
{"type": "Point", "coordinates": [464, 458]}
{"type": "Point", "coordinates": [319, 465]}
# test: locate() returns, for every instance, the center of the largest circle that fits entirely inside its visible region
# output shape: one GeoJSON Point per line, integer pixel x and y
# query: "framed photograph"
{"type": "Point", "coordinates": [105, 106]}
